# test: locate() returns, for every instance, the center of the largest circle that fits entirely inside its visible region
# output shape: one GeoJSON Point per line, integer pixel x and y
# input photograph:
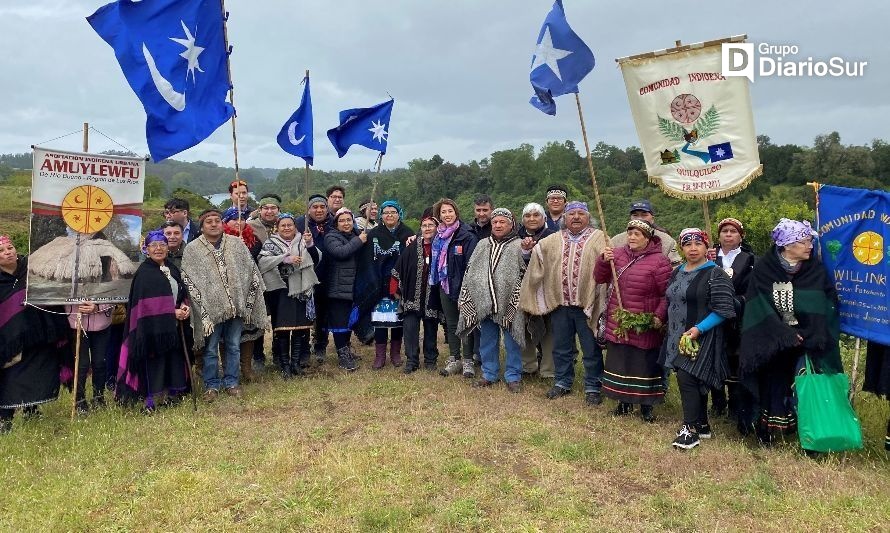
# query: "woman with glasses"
{"type": "Point", "coordinates": [153, 365]}
{"type": "Point", "coordinates": [790, 312]}
{"type": "Point", "coordinates": [386, 242]}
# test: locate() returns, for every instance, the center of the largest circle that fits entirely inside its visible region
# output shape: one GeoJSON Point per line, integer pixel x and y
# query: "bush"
{"type": "Point", "coordinates": [760, 217]}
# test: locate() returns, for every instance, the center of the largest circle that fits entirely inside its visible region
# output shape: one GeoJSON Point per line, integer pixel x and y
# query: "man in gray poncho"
{"type": "Point", "coordinates": [226, 291]}
{"type": "Point", "coordinates": [489, 300]}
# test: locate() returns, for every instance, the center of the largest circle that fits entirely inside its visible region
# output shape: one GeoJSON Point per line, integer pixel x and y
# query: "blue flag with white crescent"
{"type": "Point", "coordinates": [367, 126]}
{"type": "Point", "coordinates": [173, 54]}
{"type": "Point", "coordinates": [855, 241]}
{"type": "Point", "coordinates": [560, 62]}
{"type": "Point", "coordinates": [295, 136]}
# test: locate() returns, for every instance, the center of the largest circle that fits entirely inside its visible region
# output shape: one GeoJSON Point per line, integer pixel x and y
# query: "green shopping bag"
{"type": "Point", "coordinates": [825, 420]}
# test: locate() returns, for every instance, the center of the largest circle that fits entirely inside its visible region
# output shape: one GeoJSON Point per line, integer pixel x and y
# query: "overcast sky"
{"type": "Point", "coordinates": [458, 70]}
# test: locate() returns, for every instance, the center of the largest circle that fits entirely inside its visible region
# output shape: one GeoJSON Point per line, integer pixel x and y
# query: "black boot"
{"type": "Point", "coordinates": [281, 343]}
{"type": "Point", "coordinates": [305, 349]}
{"type": "Point", "coordinates": [345, 359]}
{"type": "Point", "coordinates": [296, 347]}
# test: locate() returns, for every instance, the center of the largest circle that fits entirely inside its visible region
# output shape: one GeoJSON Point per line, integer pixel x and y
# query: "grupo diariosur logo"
{"type": "Point", "coordinates": [782, 60]}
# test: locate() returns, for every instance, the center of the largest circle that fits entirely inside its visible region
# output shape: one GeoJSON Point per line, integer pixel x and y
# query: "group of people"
{"type": "Point", "coordinates": [732, 327]}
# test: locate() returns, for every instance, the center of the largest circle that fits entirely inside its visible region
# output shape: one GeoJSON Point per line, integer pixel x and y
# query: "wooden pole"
{"type": "Point", "coordinates": [596, 194]}
{"type": "Point", "coordinates": [76, 367]}
{"type": "Point", "coordinates": [74, 275]}
{"type": "Point", "coordinates": [704, 206]}
{"type": "Point", "coordinates": [855, 370]}
{"type": "Point", "coordinates": [222, 5]}
{"type": "Point", "coordinates": [188, 362]}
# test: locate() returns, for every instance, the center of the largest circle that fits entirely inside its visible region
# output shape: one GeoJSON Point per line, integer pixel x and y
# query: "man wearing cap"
{"type": "Point", "coordinates": [559, 282]}
{"type": "Point", "coordinates": [642, 210]}
{"type": "Point", "coordinates": [318, 221]}
{"type": "Point", "coordinates": [489, 301]}
{"type": "Point", "coordinates": [226, 291]}
{"type": "Point", "coordinates": [263, 223]}
{"type": "Point", "coordinates": [556, 206]}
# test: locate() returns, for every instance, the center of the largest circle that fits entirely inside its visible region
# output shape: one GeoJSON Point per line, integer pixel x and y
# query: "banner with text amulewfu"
{"type": "Point", "coordinates": [855, 237]}
{"type": "Point", "coordinates": [86, 226]}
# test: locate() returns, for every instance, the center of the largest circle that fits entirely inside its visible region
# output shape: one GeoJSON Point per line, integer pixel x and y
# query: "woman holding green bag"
{"type": "Point", "coordinates": [791, 312]}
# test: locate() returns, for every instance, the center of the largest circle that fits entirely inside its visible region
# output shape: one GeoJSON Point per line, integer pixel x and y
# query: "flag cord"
{"type": "Point", "coordinates": [112, 140]}
{"type": "Point", "coordinates": [599, 205]}
{"type": "Point", "coordinates": [59, 137]}
{"type": "Point", "coordinates": [377, 177]}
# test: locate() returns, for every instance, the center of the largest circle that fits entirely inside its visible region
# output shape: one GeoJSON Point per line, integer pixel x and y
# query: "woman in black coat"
{"type": "Point", "coordinates": [736, 258]}
{"type": "Point", "coordinates": [342, 247]}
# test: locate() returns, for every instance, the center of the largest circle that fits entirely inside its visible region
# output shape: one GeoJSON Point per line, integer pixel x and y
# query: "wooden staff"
{"type": "Point", "coordinates": [596, 194]}
{"type": "Point", "coordinates": [188, 362]}
{"type": "Point", "coordinates": [222, 6]}
{"type": "Point", "coordinates": [76, 366]}
{"type": "Point", "coordinates": [855, 370]}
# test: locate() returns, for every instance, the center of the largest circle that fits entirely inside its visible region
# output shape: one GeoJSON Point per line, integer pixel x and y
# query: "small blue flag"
{"type": "Point", "coordinates": [173, 54]}
{"type": "Point", "coordinates": [719, 152]}
{"type": "Point", "coordinates": [368, 126]}
{"type": "Point", "coordinates": [295, 136]}
{"type": "Point", "coordinates": [560, 62]}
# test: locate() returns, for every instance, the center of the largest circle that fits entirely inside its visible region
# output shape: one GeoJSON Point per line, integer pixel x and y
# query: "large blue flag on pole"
{"type": "Point", "coordinates": [367, 126]}
{"type": "Point", "coordinates": [560, 62]}
{"type": "Point", "coordinates": [295, 136]}
{"type": "Point", "coordinates": [173, 54]}
{"type": "Point", "coordinates": [855, 241]}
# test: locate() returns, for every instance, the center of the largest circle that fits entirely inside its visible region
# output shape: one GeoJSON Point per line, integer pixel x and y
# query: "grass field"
{"type": "Point", "coordinates": [380, 451]}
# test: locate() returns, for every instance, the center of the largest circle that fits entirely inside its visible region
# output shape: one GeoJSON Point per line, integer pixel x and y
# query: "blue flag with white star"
{"type": "Point", "coordinates": [367, 126]}
{"type": "Point", "coordinates": [295, 136]}
{"type": "Point", "coordinates": [560, 62]}
{"type": "Point", "coordinates": [173, 54]}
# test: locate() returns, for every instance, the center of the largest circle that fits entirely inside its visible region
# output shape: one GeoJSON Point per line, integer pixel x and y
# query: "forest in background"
{"type": "Point", "coordinates": [519, 175]}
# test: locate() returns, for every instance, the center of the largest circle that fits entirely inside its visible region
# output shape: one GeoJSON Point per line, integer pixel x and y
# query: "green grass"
{"type": "Point", "coordinates": [379, 451]}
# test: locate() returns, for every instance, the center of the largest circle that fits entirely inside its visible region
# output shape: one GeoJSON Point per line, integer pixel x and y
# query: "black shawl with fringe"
{"type": "Point", "coordinates": [152, 325]}
{"type": "Point", "coordinates": [765, 335]}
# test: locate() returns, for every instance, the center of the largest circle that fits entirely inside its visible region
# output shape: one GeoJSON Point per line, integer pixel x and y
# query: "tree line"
{"type": "Point", "coordinates": [519, 175]}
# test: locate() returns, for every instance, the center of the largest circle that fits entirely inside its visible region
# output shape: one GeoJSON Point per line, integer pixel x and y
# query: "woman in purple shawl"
{"type": "Point", "coordinates": [152, 362]}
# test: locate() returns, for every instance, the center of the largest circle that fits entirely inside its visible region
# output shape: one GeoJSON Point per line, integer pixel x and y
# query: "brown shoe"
{"type": "Point", "coordinates": [234, 391]}
{"type": "Point", "coordinates": [210, 395]}
{"type": "Point", "coordinates": [514, 387]}
{"type": "Point", "coordinates": [480, 383]}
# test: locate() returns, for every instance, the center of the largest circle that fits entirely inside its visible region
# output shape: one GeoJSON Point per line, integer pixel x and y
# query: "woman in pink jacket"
{"type": "Point", "coordinates": [632, 374]}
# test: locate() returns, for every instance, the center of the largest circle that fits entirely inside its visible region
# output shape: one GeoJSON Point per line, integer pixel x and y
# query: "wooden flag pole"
{"type": "Point", "coordinates": [74, 275]}
{"type": "Point", "coordinates": [707, 213]}
{"type": "Point", "coordinates": [596, 194]}
{"type": "Point", "coordinates": [222, 5]}
{"type": "Point", "coordinates": [855, 370]}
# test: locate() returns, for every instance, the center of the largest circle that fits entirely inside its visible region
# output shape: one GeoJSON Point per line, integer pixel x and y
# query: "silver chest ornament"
{"type": "Point", "coordinates": [783, 299]}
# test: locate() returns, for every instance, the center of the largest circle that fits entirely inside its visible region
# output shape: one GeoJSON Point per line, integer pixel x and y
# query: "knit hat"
{"type": "Point", "coordinates": [734, 222]}
{"type": "Point", "coordinates": [269, 200]}
{"type": "Point", "coordinates": [577, 205]}
{"type": "Point", "coordinates": [503, 212]}
{"type": "Point", "coordinates": [341, 211]}
{"type": "Point", "coordinates": [317, 199]}
{"type": "Point", "coordinates": [4, 240]}
{"type": "Point", "coordinates": [204, 214]}
{"type": "Point", "coordinates": [791, 231]}
{"type": "Point", "coordinates": [693, 234]}
{"type": "Point", "coordinates": [644, 227]}
{"type": "Point", "coordinates": [394, 204]}
{"type": "Point", "coordinates": [285, 215]}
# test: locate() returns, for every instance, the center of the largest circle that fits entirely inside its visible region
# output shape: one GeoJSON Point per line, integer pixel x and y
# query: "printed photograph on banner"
{"type": "Point", "coordinates": [855, 239]}
{"type": "Point", "coordinates": [695, 126]}
{"type": "Point", "coordinates": [86, 226]}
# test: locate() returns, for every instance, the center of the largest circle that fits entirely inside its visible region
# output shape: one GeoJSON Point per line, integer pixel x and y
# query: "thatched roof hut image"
{"type": "Point", "coordinates": [100, 260]}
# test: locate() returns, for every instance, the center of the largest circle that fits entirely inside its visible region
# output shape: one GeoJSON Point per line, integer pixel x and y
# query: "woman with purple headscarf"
{"type": "Point", "coordinates": [153, 365]}
{"type": "Point", "coordinates": [790, 311]}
